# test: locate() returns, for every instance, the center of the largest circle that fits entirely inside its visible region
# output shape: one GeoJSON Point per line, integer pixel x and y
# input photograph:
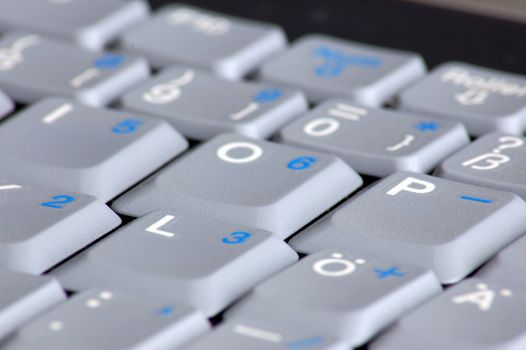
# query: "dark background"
{"type": "Point", "coordinates": [438, 34]}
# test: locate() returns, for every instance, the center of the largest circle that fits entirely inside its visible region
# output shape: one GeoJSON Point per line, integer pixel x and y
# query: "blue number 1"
{"type": "Point", "coordinates": [58, 202]}
{"type": "Point", "coordinates": [238, 237]}
{"type": "Point", "coordinates": [127, 126]}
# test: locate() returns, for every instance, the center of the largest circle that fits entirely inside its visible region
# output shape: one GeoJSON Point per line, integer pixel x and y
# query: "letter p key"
{"type": "Point", "coordinates": [408, 186]}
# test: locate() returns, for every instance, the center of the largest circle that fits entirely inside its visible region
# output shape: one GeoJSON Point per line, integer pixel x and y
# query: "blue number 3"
{"type": "Point", "coordinates": [238, 237]}
{"type": "Point", "coordinates": [127, 126]}
{"type": "Point", "coordinates": [58, 202]}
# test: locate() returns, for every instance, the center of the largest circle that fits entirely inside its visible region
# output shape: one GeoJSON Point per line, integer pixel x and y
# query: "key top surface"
{"type": "Point", "coordinates": [443, 225]}
{"type": "Point", "coordinates": [473, 315]}
{"type": "Point", "coordinates": [33, 67]}
{"type": "Point", "coordinates": [246, 182]}
{"type": "Point", "coordinates": [65, 144]}
{"type": "Point", "coordinates": [22, 297]}
{"type": "Point", "coordinates": [228, 46]}
{"type": "Point", "coordinates": [88, 23]}
{"type": "Point", "coordinates": [482, 99]}
{"type": "Point", "coordinates": [336, 293]}
{"type": "Point", "coordinates": [325, 67]}
{"type": "Point", "coordinates": [195, 261]}
{"type": "Point", "coordinates": [6, 105]}
{"type": "Point", "coordinates": [253, 110]}
{"type": "Point", "coordinates": [495, 160]}
{"type": "Point", "coordinates": [36, 225]}
{"type": "Point", "coordinates": [107, 319]}
{"type": "Point", "coordinates": [373, 141]}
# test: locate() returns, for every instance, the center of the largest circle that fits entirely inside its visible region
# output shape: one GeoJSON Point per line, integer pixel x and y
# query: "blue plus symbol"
{"type": "Point", "coordinates": [428, 126]}
{"type": "Point", "coordinates": [268, 95]}
{"type": "Point", "coordinates": [109, 61]}
{"type": "Point", "coordinates": [391, 272]}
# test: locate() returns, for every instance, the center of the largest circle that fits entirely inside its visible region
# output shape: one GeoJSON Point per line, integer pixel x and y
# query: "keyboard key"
{"type": "Point", "coordinates": [315, 295]}
{"type": "Point", "coordinates": [242, 335]}
{"type": "Point", "coordinates": [33, 67]}
{"type": "Point", "coordinates": [38, 225]}
{"type": "Point", "coordinates": [22, 297]}
{"type": "Point", "coordinates": [6, 105]}
{"type": "Point", "coordinates": [325, 67]}
{"type": "Point", "coordinates": [418, 219]}
{"type": "Point", "coordinates": [482, 99]}
{"type": "Point", "coordinates": [228, 46]}
{"type": "Point", "coordinates": [473, 315]}
{"type": "Point", "coordinates": [231, 265]}
{"type": "Point", "coordinates": [375, 142]}
{"type": "Point", "coordinates": [107, 319]}
{"type": "Point", "coordinates": [64, 144]}
{"type": "Point", "coordinates": [495, 160]}
{"type": "Point", "coordinates": [246, 182]}
{"type": "Point", "coordinates": [88, 23]}
{"type": "Point", "coordinates": [177, 95]}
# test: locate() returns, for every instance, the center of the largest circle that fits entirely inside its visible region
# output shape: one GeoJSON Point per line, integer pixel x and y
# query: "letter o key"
{"type": "Point", "coordinates": [255, 152]}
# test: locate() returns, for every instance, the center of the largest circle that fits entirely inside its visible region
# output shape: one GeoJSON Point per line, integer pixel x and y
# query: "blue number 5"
{"type": "Point", "coordinates": [127, 126]}
{"type": "Point", "coordinates": [58, 202]}
{"type": "Point", "coordinates": [238, 237]}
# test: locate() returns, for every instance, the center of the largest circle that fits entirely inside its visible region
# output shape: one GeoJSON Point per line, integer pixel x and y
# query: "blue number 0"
{"type": "Point", "coordinates": [127, 126]}
{"type": "Point", "coordinates": [58, 202]}
{"type": "Point", "coordinates": [301, 163]}
{"type": "Point", "coordinates": [238, 237]}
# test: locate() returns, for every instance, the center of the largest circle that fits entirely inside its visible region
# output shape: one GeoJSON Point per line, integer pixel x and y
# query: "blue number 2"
{"type": "Point", "coordinates": [238, 237]}
{"type": "Point", "coordinates": [58, 202]}
{"type": "Point", "coordinates": [301, 163]}
{"type": "Point", "coordinates": [127, 126]}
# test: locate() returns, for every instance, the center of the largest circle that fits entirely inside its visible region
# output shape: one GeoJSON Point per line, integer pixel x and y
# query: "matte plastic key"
{"type": "Point", "coordinates": [6, 105]}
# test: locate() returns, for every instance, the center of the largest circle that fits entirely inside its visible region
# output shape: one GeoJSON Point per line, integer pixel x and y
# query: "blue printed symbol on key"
{"type": "Point", "coordinates": [238, 237]}
{"type": "Point", "coordinates": [301, 163]}
{"type": "Point", "coordinates": [305, 343]}
{"type": "Point", "coordinates": [166, 311]}
{"type": "Point", "coordinates": [58, 202]}
{"type": "Point", "coordinates": [336, 61]}
{"type": "Point", "coordinates": [431, 126]}
{"type": "Point", "coordinates": [127, 126]}
{"type": "Point", "coordinates": [109, 61]}
{"type": "Point", "coordinates": [268, 95]}
{"type": "Point", "coordinates": [476, 199]}
{"type": "Point", "coordinates": [390, 272]}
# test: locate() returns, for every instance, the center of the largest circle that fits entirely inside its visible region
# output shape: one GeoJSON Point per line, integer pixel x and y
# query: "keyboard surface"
{"type": "Point", "coordinates": [222, 176]}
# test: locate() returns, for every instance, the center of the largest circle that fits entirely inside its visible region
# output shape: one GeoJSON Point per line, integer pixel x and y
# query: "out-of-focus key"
{"type": "Point", "coordinates": [33, 67]}
{"type": "Point", "coordinates": [482, 99]}
{"type": "Point", "coordinates": [65, 144]}
{"type": "Point", "coordinates": [202, 106]}
{"type": "Point", "coordinates": [246, 182]}
{"type": "Point", "coordinates": [335, 293]}
{"type": "Point", "coordinates": [22, 297]}
{"type": "Point", "coordinates": [325, 67]}
{"type": "Point", "coordinates": [496, 160]}
{"type": "Point", "coordinates": [442, 225]}
{"type": "Point", "coordinates": [41, 227]}
{"type": "Point", "coordinates": [192, 260]}
{"type": "Point", "coordinates": [6, 105]}
{"type": "Point", "coordinates": [88, 23]}
{"type": "Point", "coordinates": [107, 319]}
{"type": "Point", "coordinates": [228, 46]}
{"type": "Point", "coordinates": [373, 141]}
{"type": "Point", "coordinates": [473, 315]}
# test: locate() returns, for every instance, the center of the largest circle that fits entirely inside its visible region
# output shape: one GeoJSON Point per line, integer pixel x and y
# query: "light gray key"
{"type": "Point", "coordinates": [22, 297]}
{"type": "Point", "coordinates": [375, 142]}
{"type": "Point", "coordinates": [192, 260]}
{"type": "Point", "coordinates": [241, 334]}
{"type": "Point", "coordinates": [484, 100]}
{"type": "Point", "coordinates": [325, 67]}
{"type": "Point", "coordinates": [88, 23]}
{"type": "Point", "coordinates": [496, 160]}
{"type": "Point", "coordinates": [344, 295]}
{"type": "Point", "coordinates": [40, 227]}
{"type": "Point", "coordinates": [33, 67]}
{"type": "Point", "coordinates": [178, 95]}
{"type": "Point", "coordinates": [439, 224]}
{"type": "Point", "coordinates": [228, 46]}
{"type": "Point", "coordinates": [64, 144]}
{"type": "Point", "coordinates": [107, 319]}
{"type": "Point", "coordinates": [246, 182]}
{"type": "Point", "coordinates": [473, 315]}
{"type": "Point", "coordinates": [6, 105]}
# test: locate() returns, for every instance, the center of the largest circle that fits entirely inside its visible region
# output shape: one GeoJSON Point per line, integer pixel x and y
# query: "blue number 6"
{"type": "Point", "coordinates": [127, 126]}
{"type": "Point", "coordinates": [301, 163]}
{"type": "Point", "coordinates": [238, 237]}
{"type": "Point", "coordinates": [58, 202]}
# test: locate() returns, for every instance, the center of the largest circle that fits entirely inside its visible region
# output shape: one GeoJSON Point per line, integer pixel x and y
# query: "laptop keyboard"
{"type": "Point", "coordinates": [184, 179]}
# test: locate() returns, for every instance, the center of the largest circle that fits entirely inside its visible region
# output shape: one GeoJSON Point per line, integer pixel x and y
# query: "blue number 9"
{"type": "Point", "coordinates": [127, 126]}
{"type": "Point", "coordinates": [301, 163]}
{"type": "Point", "coordinates": [238, 237]}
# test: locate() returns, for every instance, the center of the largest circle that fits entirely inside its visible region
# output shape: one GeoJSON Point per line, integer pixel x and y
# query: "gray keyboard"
{"type": "Point", "coordinates": [187, 179]}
